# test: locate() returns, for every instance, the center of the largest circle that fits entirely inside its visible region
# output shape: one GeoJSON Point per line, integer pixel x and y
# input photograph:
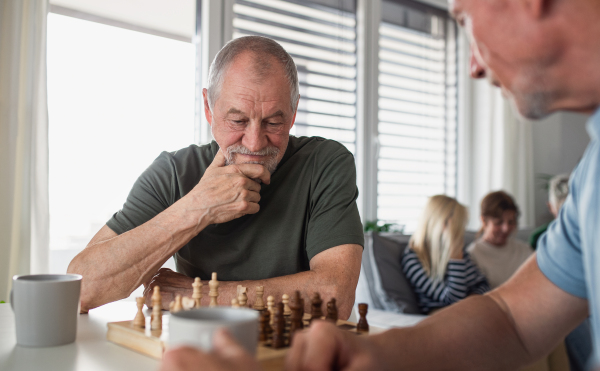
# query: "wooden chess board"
{"type": "Point", "coordinates": [153, 343]}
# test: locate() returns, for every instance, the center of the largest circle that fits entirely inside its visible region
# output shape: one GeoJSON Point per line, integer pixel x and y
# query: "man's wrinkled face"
{"type": "Point", "coordinates": [252, 115]}
{"type": "Point", "coordinates": [508, 49]}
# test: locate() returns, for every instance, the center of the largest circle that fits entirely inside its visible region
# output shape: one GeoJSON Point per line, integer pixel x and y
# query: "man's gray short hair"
{"type": "Point", "coordinates": [262, 48]}
{"type": "Point", "coordinates": [558, 190]}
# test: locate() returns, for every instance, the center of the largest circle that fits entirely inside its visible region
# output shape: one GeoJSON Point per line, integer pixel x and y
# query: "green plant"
{"type": "Point", "coordinates": [382, 226]}
{"type": "Point", "coordinates": [2, 302]}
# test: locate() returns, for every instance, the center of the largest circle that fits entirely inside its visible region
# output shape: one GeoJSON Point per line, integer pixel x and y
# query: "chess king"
{"type": "Point", "coordinates": [256, 205]}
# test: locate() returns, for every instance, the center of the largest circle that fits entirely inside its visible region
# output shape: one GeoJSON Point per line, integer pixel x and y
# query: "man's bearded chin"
{"type": "Point", "coordinates": [270, 162]}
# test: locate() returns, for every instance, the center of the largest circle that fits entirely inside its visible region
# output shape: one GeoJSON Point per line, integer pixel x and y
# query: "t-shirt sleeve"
{"type": "Point", "coordinates": [151, 194]}
{"type": "Point", "coordinates": [334, 218]}
{"type": "Point", "coordinates": [559, 249]}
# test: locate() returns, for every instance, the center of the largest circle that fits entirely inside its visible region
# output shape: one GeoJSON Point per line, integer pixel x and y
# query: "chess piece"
{"type": "Point", "coordinates": [234, 303]}
{"type": "Point", "coordinates": [263, 322]}
{"type": "Point", "coordinates": [156, 323]}
{"type": "Point", "coordinates": [271, 308]}
{"type": "Point", "coordinates": [259, 303]}
{"type": "Point", "coordinates": [316, 312]}
{"type": "Point", "coordinates": [332, 312]}
{"type": "Point", "coordinates": [279, 326]}
{"type": "Point", "coordinates": [285, 299]}
{"type": "Point", "coordinates": [139, 320]}
{"type": "Point", "coordinates": [296, 315]}
{"type": "Point", "coordinates": [178, 305]}
{"type": "Point", "coordinates": [197, 292]}
{"type": "Point", "coordinates": [242, 296]}
{"type": "Point", "coordinates": [362, 325]}
{"type": "Point", "coordinates": [213, 285]}
{"type": "Point", "coordinates": [188, 303]}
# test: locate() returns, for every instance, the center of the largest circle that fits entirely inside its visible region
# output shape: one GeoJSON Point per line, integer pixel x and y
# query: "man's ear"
{"type": "Point", "coordinates": [295, 112]}
{"type": "Point", "coordinates": [207, 112]}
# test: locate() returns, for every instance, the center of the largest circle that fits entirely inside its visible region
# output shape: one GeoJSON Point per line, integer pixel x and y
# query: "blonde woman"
{"type": "Point", "coordinates": [435, 263]}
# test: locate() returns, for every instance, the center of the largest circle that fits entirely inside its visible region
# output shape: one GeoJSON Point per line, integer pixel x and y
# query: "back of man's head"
{"type": "Point", "coordinates": [558, 190]}
{"type": "Point", "coordinates": [264, 52]}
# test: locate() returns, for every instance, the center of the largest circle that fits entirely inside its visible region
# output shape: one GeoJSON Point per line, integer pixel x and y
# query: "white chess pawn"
{"type": "Point", "coordinates": [213, 285]}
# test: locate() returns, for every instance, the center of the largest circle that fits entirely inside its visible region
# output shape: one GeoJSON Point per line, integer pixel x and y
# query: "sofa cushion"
{"type": "Point", "coordinates": [388, 250]}
{"type": "Point", "coordinates": [382, 283]}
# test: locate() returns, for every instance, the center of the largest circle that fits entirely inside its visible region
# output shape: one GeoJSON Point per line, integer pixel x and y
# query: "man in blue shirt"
{"type": "Point", "coordinates": [545, 55]}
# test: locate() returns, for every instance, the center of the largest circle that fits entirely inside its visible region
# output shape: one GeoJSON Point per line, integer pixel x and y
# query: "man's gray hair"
{"type": "Point", "coordinates": [558, 190]}
{"type": "Point", "coordinates": [262, 48]}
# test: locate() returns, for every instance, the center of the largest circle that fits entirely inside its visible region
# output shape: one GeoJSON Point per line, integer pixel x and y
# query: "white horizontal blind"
{"type": "Point", "coordinates": [321, 37]}
{"type": "Point", "coordinates": [417, 110]}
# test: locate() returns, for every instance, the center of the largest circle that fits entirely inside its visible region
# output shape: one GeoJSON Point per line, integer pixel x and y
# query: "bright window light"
{"type": "Point", "coordinates": [117, 99]}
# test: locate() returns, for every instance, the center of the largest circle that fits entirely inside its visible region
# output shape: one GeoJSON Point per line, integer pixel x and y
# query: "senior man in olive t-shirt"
{"type": "Point", "coordinates": [257, 206]}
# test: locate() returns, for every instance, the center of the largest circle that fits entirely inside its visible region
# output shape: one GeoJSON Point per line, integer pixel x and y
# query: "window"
{"type": "Point", "coordinates": [417, 110]}
{"type": "Point", "coordinates": [321, 37]}
{"type": "Point", "coordinates": [117, 98]}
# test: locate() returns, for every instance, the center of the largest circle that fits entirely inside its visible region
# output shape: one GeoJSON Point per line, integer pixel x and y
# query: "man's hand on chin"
{"type": "Point", "coordinates": [171, 283]}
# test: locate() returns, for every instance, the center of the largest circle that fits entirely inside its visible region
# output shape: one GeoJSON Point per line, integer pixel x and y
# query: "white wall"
{"type": "Point", "coordinates": [558, 144]}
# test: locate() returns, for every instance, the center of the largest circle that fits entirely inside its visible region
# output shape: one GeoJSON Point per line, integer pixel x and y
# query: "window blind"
{"type": "Point", "coordinates": [417, 110]}
{"type": "Point", "coordinates": [321, 37]}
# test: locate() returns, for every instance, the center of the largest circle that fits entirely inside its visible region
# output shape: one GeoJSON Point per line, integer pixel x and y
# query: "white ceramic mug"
{"type": "Point", "coordinates": [46, 308]}
{"type": "Point", "coordinates": [196, 327]}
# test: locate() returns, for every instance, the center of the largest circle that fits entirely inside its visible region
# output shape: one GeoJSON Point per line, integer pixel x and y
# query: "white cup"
{"type": "Point", "coordinates": [196, 327]}
{"type": "Point", "coordinates": [46, 308]}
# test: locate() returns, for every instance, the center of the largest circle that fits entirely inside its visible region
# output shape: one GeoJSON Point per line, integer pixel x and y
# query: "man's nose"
{"type": "Point", "coordinates": [255, 139]}
{"type": "Point", "coordinates": [476, 68]}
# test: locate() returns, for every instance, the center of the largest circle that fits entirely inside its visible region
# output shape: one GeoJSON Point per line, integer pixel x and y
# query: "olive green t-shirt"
{"type": "Point", "coordinates": [309, 206]}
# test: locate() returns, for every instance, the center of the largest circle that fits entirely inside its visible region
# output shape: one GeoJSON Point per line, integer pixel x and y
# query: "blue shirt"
{"type": "Point", "coordinates": [568, 253]}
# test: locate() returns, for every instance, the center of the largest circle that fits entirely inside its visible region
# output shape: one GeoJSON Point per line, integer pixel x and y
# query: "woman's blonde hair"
{"type": "Point", "coordinates": [442, 225]}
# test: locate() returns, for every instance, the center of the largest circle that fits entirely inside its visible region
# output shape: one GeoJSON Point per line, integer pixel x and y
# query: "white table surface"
{"type": "Point", "coordinates": [90, 352]}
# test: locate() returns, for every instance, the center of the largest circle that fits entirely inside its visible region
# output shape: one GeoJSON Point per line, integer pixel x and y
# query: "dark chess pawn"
{"type": "Point", "coordinates": [279, 327]}
{"type": "Point", "coordinates": [316, 312]}
{"type": "Point", "coordinates": [332, 312]}
{"type": "Point", "coordinates": [362, 325]}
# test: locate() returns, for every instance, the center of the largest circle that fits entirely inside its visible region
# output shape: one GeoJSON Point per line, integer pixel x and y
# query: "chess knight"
{"type": "Point", "coordinates": [258, 205]}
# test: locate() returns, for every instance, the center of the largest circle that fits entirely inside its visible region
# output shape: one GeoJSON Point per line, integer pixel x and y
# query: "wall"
{"type": "Point", "coordinates": [558, 144]}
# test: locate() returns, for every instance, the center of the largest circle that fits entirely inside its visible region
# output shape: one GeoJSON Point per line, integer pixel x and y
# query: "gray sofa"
{"type": "Point", "coordinates": [382, 284]}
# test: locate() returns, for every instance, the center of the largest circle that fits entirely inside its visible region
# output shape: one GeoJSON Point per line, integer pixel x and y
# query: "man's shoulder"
{"type": "Point", "coordinates": [317, 145]}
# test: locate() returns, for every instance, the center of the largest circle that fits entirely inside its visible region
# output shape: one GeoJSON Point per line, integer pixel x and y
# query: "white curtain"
{"type": "Point", "coordinates": [23, 140]}
{"type": "Point", "coordinates": [497, 149]}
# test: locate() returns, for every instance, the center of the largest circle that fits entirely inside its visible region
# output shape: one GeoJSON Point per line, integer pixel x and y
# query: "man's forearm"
{"type": "Point", "coordinates": [327, 284]}
{"type": "Point", "coordinates": [112, 268]}
{"type": "Point", "coordinates": [474, 334]}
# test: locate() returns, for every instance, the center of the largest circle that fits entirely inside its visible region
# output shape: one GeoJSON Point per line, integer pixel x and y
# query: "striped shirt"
{"type": "Point", "coordinates": [462, 279]}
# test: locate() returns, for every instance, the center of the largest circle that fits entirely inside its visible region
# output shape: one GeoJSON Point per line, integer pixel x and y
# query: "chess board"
{"type": "Point", "coordinates": [153, 343]}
